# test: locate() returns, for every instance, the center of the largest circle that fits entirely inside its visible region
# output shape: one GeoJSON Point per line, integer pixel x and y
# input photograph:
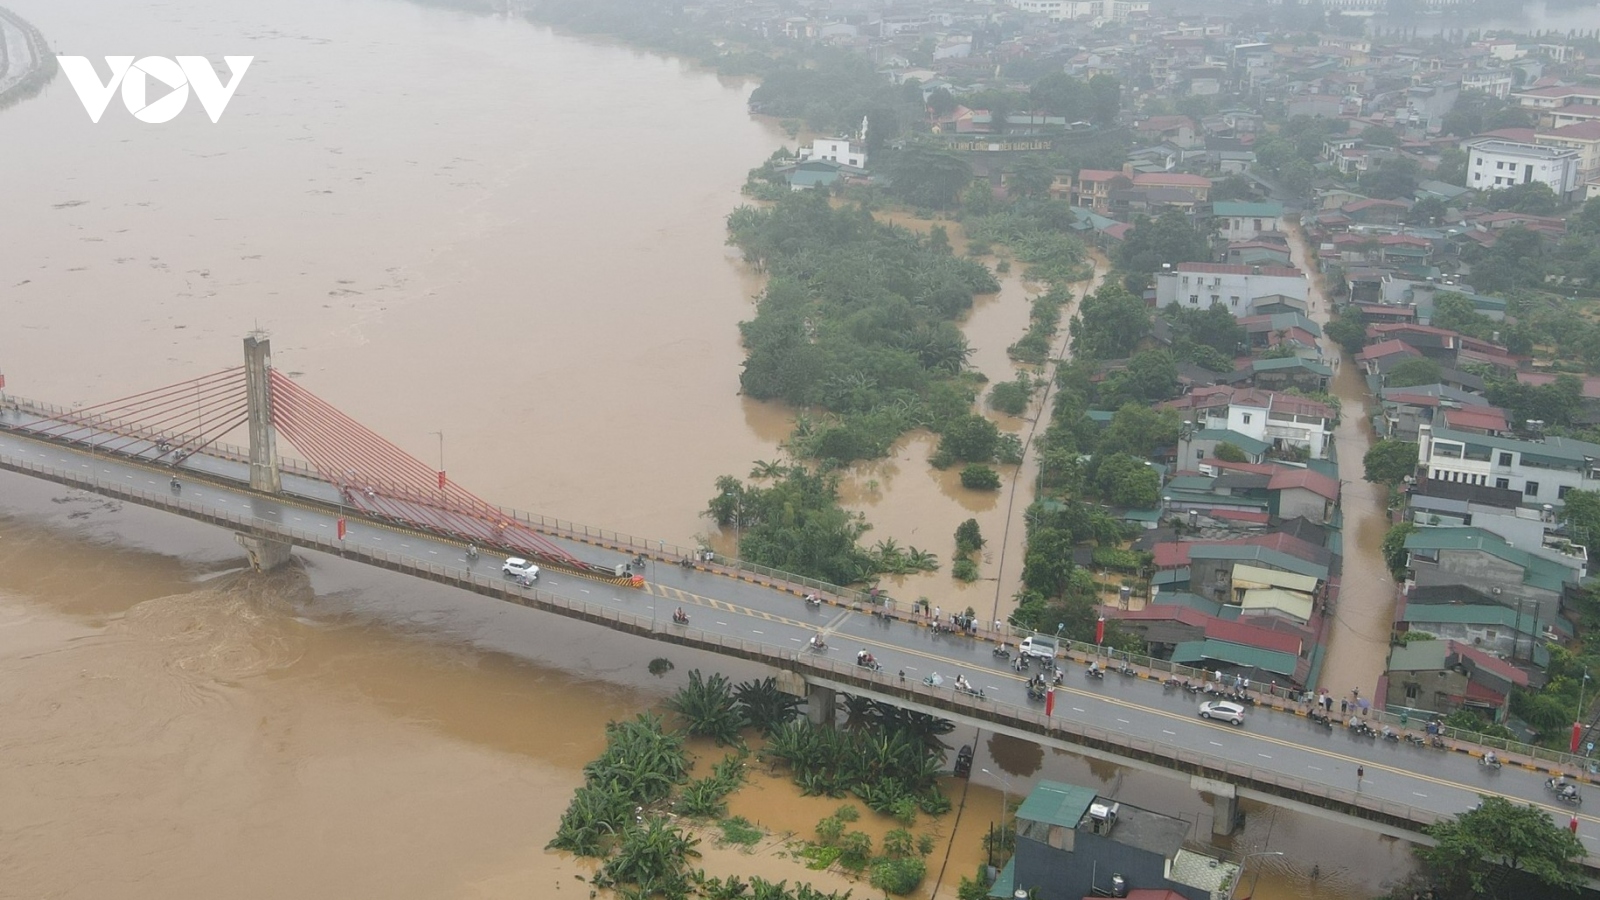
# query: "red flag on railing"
{"type": "Point", "coordinates": [441, 481]}
{"type": "Point", "coordinates": [1050, 701]}
{"type": "Point", "coordinates": [1577, 732]}
{"type": "Point", "coordinates": [1572, 825]}
{"type": "Point", "coordinates": [341, 529]}
{"type": "Point", "coordinates": [1100, 631]}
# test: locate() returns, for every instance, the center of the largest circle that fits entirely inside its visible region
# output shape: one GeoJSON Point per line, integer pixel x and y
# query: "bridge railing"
{"type": "Point", "coordinates": [803, 662]}
{"type": "Point", "coordinates": [665, 552]}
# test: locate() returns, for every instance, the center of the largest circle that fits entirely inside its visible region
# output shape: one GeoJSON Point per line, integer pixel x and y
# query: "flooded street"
{"type": "Point", "coordinates": [482, 240]}
{"type": "Point", "coordinates": [1358, 645]}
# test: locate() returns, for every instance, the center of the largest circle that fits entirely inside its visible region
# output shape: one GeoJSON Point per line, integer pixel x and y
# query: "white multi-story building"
{"type": "Point", "coordinates": [1542, 471]}
{"type": "Point", "coordinates": [1063, 10]}
{"type": "Point", "coordinates": [1497, 164]}
{"type": "Point", "coordinates": [1197, 285]}
{"type": "Point", "coordinates": [839, 150]}
{"type": "Point", "coordinates": [1277, 419]}
{"type": "Point", "coordinates": [1494, 82]}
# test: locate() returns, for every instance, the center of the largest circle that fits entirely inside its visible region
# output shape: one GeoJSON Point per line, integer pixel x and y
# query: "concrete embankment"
{"type": "Point", "coordinates": [26, 63]}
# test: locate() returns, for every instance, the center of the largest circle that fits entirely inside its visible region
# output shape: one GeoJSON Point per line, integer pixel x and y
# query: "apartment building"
{"type": "Point", "coordinates": [1542, 471]}
{"type": "Point", "coordinates": [1197, 285]}
{"type": "Point", "coordinates": [1495, 164]}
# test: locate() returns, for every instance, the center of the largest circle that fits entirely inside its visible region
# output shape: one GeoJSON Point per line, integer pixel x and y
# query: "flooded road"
{"type": "Point", "coordinates": [449, 224]}
{"type": "Point", "coordinates": [1358, 644]}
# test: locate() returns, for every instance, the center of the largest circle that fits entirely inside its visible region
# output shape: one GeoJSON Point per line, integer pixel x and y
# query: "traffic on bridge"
{"type": "Point", "coordinates": [716, 598]}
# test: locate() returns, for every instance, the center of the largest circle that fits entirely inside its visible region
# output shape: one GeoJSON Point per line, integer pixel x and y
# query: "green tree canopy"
{"type": "Point", "coordinates": [1414, 371]}
{"type": "Point", "coordinates": [1499, 834]}
{"type": "Point", "coordinates": [1389, 462]}
{"type": "Point", "coordinates": [924, 175]}
{"type": "Point", "coordinates": [1060, 94]}
{"type": "Point", "coordinates": [1394, 548]}
{"type": "Point", "coordinates": [1110, 323]}
{"type": "Point", "coordinates": [1167, 239]}
{"type": "Point", "coordinates": [1105, 99]}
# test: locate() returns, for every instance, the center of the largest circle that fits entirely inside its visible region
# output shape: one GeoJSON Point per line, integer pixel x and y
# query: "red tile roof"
{"type": "Point", "coordinates": [1387, 348]}
{"type": "Point", "coordinates": [1490, 663]}
{"type": "Point", "coordinates": [1172, 554]}
{"type": "Point", "coordinates": [1315, 482]}
{"type": "Point", "coordinates": [1578, 131]}
{"type": "Point", "coordinates": [1228, 269]}
{"type": "Point", "coordinates": [1239, 515]}
{"type": "Point", "coordinates": [1252, 636]}
{"type": "Point", "coordinates": [1485, 418]}
{"type": "Point", "coordinates": [1591, 383]}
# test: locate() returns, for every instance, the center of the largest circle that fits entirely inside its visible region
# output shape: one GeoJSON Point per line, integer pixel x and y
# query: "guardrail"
{"type": "Point", "coordinates": [664, 552]}
{"type": "Point", "coordinates": [882, 684]}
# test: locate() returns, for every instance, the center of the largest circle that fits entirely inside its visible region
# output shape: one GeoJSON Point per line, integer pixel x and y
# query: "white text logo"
{"type": "Point", "coordinates": [179, 76]}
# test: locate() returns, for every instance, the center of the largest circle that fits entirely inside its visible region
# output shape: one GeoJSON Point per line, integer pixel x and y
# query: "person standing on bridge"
{"type": "Point", "coordinates": [1361, 772]}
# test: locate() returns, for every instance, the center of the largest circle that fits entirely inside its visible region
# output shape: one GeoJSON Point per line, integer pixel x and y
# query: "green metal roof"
{"type": "Point", "coordinates": [1235, 654]}
{"type": "Point", "coordinates": [1256, 553]}
{"type": "Point", "coordinates": [1289, 362]}
{"type": "Point", "coordinates": [1552, 451]}
{"type": "Point", "coordinates": [1005, 883]}
{"type": "Point", "coordinates": [1419, 656]}
{"type": "Point", "coordinates": [1250, 210]}
{"type": "Point", "coordinates": [1057, 803]}
{"type": "Point", "coordinates": [1244, 442]}
{"type": "Point", "coordinates": [1171, 576]}
{"type": "Point", "coordinates": [1536, 570]}
{"type": "Point", "coordinates": [1189, 600]}
{"type": "Point", "coordinates": [1475, 614]}
{"type": "Point", "coordinates": [1192, 482]}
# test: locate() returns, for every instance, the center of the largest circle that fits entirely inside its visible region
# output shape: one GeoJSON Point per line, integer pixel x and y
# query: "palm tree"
{"type": "Point", "coordinates": [767, 471]}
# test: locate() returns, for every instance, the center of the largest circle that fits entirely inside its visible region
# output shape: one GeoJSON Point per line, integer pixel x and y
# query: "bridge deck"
{"type": "Point", "coordinates": [1129, 718]}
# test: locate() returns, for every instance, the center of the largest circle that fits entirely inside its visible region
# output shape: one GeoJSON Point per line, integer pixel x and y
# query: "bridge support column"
{"type": "Point", "coordinates": [1225, 815]}
{"type": "Point", "coordinates": [266, 554]}
{"type": "Point", "coordinates": [264, 473]}
{"type": "Point", "coordinates": [821, 705]}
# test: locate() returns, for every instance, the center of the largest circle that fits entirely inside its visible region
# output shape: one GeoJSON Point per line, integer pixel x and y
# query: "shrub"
{"type": "Point", "coordinates": [847, 813]}
{"type": "Point", "coordinates": [855, 849]}
{"type": "Point", "coordinates": [898, 842]}
{"type": "Point", "coordinates": [829, 830]}
{"type": "Point", "coordinates": [925, 844]}
{"type": "Point", "coordinates": [980, 478]}
{"type": "Point", "coordinates": [964, 570]}
{"type": "Point", "coordinates": [969, 537]}
{"type": "Point", "coordinates": [900, 875]}
{"type": "Point", "coordinates": [738, 830]}
{"type": "Point", "coordinates": [1229, 453]}
{"type": "Point", "coordinates": [1011, 397]}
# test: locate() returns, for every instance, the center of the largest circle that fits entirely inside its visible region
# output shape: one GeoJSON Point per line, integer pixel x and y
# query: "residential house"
{"type": "Point", "coordinates": [1236, 221]}
{"type": "Point", "coordinates": [839, 150]}
{"type": "Point", "coordinates": [1444, 676]}
{"type": "Point", "coordinates": [1582, 137]}
{"type": "Point", "coordinates": [1287, 372]}
{"type": "Point", "coordinates": [1070, 842]}
{"type": "Point", "coordinates": [1475, 559]}
{"type": "Point", "coordinates": [1197, 285]}
{"type": "Point", "coordinates": [1543, 471]}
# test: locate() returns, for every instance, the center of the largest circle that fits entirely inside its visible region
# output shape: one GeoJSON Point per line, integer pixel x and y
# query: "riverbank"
{"type": "Point", "coordinates": [26, 63]}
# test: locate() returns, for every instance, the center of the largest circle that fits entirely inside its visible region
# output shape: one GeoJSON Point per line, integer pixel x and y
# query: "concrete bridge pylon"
{"type": "Point", "coordinates": [264, 472]}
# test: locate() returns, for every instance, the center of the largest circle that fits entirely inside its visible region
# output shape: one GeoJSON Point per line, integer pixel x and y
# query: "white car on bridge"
{"type": "Point", "coordinates": [517, 567]}
{"type": "Point", "coordinates": [1232, 713]}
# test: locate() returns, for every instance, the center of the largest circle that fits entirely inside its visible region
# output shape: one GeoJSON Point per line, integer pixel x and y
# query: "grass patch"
{"type": "Point", "coordinates": [738, 830]}
{"type": "Point", "coordinates": [819, 857]}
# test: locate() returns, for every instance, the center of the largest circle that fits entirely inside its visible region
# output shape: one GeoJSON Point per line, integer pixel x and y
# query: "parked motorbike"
{"type": "Point", "coordinates": [1126, 670]}
{"type": "Point", "coordinates": [1001, 652]}
{"type": "Point", "coordinates": [1171, 683]}
{"type": "Point", "coordinates": [1437, 743]}
{"type": "Point", "coordinates": [1392, 737]}
{"type": "Point", "coordinates": [1192, 687]}
{"type": "Point", "coordinates": [1415, 739]}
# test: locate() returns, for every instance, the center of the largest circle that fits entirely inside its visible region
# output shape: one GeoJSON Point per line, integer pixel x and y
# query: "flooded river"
{"type": "Point", "coordinates": [463, 231]}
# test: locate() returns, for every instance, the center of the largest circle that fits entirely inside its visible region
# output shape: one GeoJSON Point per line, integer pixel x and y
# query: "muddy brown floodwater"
{"type": "Point", "coordinates": [449, 224]}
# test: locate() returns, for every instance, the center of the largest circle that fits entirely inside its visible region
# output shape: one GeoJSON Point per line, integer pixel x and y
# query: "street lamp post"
{"type": "Point", "coordinates": [1005, 795]}
{"type": "Point", "coordinates": [1581, 685]}
{"type": "Point", "coordinates": [1233, 888]}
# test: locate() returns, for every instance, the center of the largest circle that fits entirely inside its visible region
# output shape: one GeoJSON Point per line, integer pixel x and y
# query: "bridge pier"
{"type": "Point", "coordinates": [821, 705]}
{"type": "Point", "coordinates": [1225, 815]}
{"type": "Point", "coordinates": [265, 554]}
